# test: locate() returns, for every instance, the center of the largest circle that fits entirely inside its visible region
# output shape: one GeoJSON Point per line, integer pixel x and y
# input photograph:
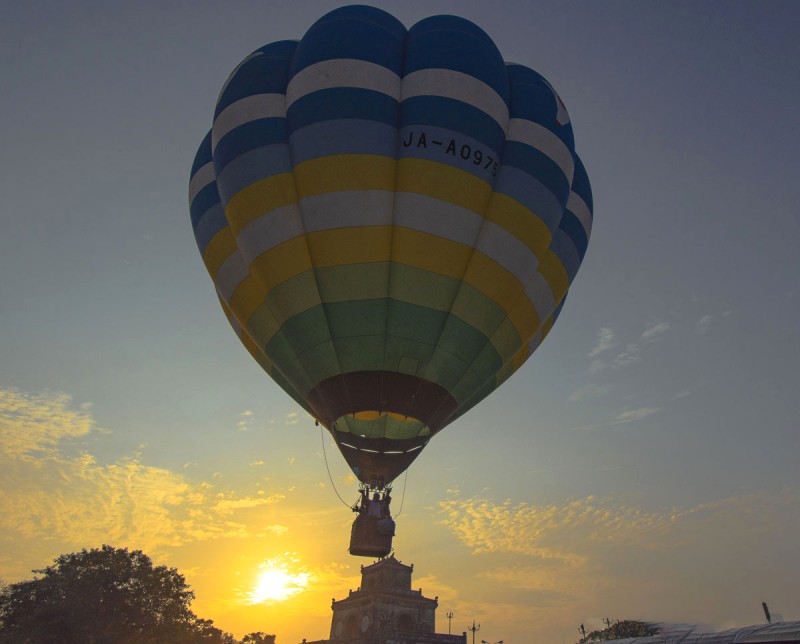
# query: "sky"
{"type": "Point", "coordinates": [641, 465]}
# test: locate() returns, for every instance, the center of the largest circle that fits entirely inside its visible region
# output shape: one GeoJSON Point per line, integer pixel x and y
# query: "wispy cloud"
{"type": "Point", "coordinates": [655, 330]}
{"type": "Point", "coordinates": [45, 493]}
{"type": "Point", "coordinates": [245, 422]}
{"type": "Point", "coordinates": [629, 356]}
{"type": "Point", "coordinates": [32, 425]}
{"type": "Point", "coordinates": [626, 416]}
{"type": "Point", "coordinates": [588, 392]}
{"type": "Point", "coordinates": [632, 415]}
{"type": "Point", "coordinates": [632, 353]}
{"type": "Point", "coordinates": [574, 549]}
{"type": "Point", "coordinates": [549, 532]}
{"type": "Point", "coordinates": [704, 324]}
{"type": "Point", "coordinates": [605, 341]}
{"type": "Point", "coordinates": [225, 506]}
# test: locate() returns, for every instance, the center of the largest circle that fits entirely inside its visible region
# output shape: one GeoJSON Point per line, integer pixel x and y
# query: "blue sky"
{"type": "Point", "coordinates": [642, 462]}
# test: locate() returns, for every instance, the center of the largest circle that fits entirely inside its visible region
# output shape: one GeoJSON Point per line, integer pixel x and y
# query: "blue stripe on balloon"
{"type": "Point", "coordinates": [210, 223]}
{"type": "Point", "coordinates": [534, 104]}
{"type": "Point", "coordinates": [581, 185]}
{"type": "Point", "coordinates": [448, 113]}
{"type": "Point", "coordinates": [265, 73]}
{"type": "Point", "coordinates": [450, 42]}
{"type": "Point", "coordinates": [252, 166]}
{"type": "Point", "coordinates": [573, 227]}
{"type": "Point", "coordinates": [565, 250]}
{"type": "Point", "coordinates": [343, 136]}
{"type": "Point", "coordinates": [251, 135]}
{"type": "Point", "coordinates": [559, 308]}
{"type": "Point", "coordinates": [360, 32]}
{"type": "Point", "coordinates": [526, 189]}
{"type": "Point", "coordinates": [342, 103]}
{"type": "Point", "coordinates": [532, 98]}
{"type": "Point", "coordinates": [203, 201]}
{"type": "Point", "coordinates": [539, 165]}
{"type": "Point", "coordinates": [203, 154]}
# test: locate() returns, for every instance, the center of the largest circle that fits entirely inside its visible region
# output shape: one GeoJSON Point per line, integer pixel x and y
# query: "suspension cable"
{"type": "Point", "coordinates": [402, 498]}
{"type": "Point", "coordinates": [333, 485]}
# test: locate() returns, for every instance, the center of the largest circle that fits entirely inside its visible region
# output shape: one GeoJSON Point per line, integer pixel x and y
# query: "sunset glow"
{"type": "Point", "coordinates": [276, 583]}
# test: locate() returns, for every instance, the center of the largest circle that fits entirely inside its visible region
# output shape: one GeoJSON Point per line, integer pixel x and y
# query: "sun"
{"type": "Point", "coordinates": [276, 582]}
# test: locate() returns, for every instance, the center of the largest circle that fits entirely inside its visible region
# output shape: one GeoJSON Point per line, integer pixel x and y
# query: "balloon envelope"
{"type": "Point", "coordinates": [392, 219]}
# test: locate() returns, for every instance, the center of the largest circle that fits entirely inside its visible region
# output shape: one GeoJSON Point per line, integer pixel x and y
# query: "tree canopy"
{"type": "Point", "coordinates": [258, 638]}
{"type": "Point", "coordinates": [619, 630]}
{"type": "Point", "coordinates": [104, 595]}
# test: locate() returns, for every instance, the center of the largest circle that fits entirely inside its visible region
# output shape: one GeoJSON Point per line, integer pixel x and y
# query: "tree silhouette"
{"type": "Point", "coordinates": [104, 595]}
{"type": "Point", "coordinates": [619, 630]}
{"type": "Point", "coordinates": [258, 638]}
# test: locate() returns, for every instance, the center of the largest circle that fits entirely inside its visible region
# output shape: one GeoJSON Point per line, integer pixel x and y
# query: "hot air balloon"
{"type": "Point", "coordinates": [392, 219]}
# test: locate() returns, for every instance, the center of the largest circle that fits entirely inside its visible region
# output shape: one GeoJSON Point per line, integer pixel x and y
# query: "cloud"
{"type": "Point", "coordinates": [589, 391]}
{"type": "Point", "coordinates": [245, 422]}
{"type": "Point", "coordinates": [627, 416]}
{"type": "Point", "coordinates": [629, 356]}
{"type": "Point", "coordinates": [45, 494]}
{"type": "Point", "coordinates": [225, 506]}
{"type": "Point", "coordinates": [579, 549]}
{"type": "Point", "coordinates": [655, 330]}
{"type": "Point", "coordinates": [605, 340]}
{"type": "Point", "coordinates": [632, 353]}
{"type": "Point", "coordinates": [549, 532]}
{"type": "Point", "coordinates": [704, 324]}
{"type": "Point", "coordinates": [33, 425]}
{"type": "Point", "coordinates": [276, 529]}
{"type": "Point", "coordinates": [632, 415]}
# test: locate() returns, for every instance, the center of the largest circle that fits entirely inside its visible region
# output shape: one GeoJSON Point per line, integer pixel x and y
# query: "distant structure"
{"type": "Point", "coordinates": [774, 633]}
{"type": "Point", "coordinates": [385, 610]}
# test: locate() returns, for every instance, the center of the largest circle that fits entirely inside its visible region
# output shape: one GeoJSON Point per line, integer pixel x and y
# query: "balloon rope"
{"type": "Point", "coordinates": [402, 498]}
{"type": "Point", "coordinates": [333, 485]}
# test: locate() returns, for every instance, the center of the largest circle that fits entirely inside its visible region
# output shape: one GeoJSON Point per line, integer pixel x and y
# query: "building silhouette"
{"type": "Point", "coordinates": [385, 610]}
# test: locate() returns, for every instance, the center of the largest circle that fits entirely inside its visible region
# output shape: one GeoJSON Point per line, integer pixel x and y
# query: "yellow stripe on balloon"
{"type": "Point", "coordinates": [221, 246]}
{"type": "Point", "coordinates": [344, 172]}
{"type": "Point", "coordinates": [547, 326]}
{"type": "Point", "coordinates": [282, 262]}
{"type": "Point", "coordinates": [259, 198]}
{"type": "Point", "coordinates": [511, 215]}
{"type": "Point", "coordinates": [247, 297]}
{"type": "Point", "coordinates": [553, 270]}
{"type": "Point", "coordinates": [444, 182]}
{"type": "Point", "coordinates": [342, 246]}
{"type": "Point", "coordinates": [496, 282]}
{"type": "Point", "coordinates": [519, 358]}
{"type": "Point", "coordinates": [430, 253]}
